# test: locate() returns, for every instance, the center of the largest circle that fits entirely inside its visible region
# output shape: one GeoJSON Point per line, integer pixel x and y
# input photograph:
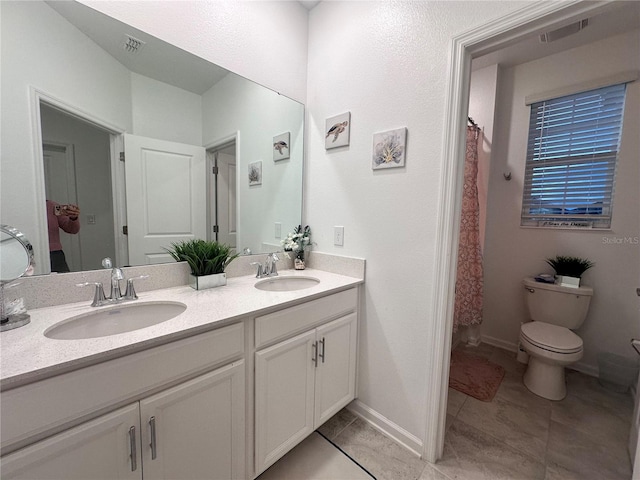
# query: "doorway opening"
{"type": "Point", "coordinates": [222, 193]}
{"type": "Point", "coordinates": [78, 171]}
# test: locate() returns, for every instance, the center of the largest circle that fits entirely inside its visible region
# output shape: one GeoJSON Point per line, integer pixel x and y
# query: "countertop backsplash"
{"type": "Point", "coordinates": [60, 288]}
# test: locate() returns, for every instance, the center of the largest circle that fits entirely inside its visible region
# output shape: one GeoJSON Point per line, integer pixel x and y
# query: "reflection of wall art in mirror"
{"type": "Point", "coordinates": [281, 147]}
{"type": "Point", "coordinates": [255, 173]}
{"type": "Point", "coordinates": [337, 131]}
{"type": "Point", "coordinates": [389, 149]}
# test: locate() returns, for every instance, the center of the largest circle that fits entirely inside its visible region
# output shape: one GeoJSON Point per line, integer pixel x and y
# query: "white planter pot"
{"type": "Point", "coordinates": [564, 281]}
{"type": "Point", "coordinates": [207, 281]}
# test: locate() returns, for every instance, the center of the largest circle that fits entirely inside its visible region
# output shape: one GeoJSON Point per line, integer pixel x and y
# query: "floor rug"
{"type": "Point", "coordinates": [474, 375]}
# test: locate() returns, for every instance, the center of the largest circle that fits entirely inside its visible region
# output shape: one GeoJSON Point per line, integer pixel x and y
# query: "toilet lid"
{"type": "Point", "coordinates": [551, 337]}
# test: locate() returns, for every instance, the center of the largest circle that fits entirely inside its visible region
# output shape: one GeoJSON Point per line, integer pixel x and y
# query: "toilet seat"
{"type": "Point", "coordinates": [551, 337]}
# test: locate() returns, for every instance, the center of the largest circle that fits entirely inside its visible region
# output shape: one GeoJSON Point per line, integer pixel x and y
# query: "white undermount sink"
{"type": "Point", "coordinates": [286, 283]}
{"type": "Point", "coordinates": [113, 320]}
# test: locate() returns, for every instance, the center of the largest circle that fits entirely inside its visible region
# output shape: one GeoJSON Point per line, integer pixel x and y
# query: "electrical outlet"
{"type": "Point", "coordinates": [338, 236]}
{"type": "Point", "coordinates": [91, 219]}
{"type": "Point", "coordinates": [278, 230]}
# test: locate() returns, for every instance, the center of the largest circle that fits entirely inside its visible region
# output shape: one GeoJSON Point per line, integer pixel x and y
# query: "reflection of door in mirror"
{"type": "Point", "coordinates": [77, 170]}
{"type": "Point", "coordinates": [222, 194]}
{"type": "Point", "coordinates": [166, 188]}
{"type": "Point", "coordinates": [60, 186]}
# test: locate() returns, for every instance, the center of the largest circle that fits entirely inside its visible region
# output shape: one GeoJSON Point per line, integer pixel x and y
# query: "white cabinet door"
{"type": "Point", "coordinates": [284, 385]}
{"type": "Point", "coordinates": [99, 449]}
{"type": "Point", "coordinates": [336, 372]}
{"type": "Point", "coordinates": [198, 426]}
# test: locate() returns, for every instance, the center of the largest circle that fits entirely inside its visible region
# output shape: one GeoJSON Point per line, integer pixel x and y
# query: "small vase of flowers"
{"type": "Point", "coordinates": [296, 242]}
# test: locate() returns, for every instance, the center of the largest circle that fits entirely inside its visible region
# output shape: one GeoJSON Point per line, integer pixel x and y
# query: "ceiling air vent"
{"type": "Point", "coordinates": [564, 31]}
{"type": "Point", "coordinates": [132, 44]}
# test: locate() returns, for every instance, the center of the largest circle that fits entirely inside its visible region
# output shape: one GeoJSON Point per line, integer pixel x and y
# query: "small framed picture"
{"type": "Point", "coordinates": [255, 173]}
{"type": "Point", "coordinates": [389, 149]}
{"type": "Point", "coordinates": [337, 129]}
{"type": "Point", "coordinates": [281, 147]}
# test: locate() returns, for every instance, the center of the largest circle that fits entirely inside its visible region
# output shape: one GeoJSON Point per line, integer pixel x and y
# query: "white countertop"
{"type": "Point", "coordinates": [26, 355]}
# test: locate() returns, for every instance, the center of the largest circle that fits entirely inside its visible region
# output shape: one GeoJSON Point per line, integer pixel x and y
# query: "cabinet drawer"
{"type": "Point", "coordinates": [287, 322]}
{"type": "Point", "coordinates": [45, 406]}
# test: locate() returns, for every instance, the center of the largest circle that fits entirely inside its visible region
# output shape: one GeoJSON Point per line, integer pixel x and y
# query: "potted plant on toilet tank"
{"type": "Point", "coordinates": [207, 261]}
{"type": "Point", "coordinates": [569, 269]}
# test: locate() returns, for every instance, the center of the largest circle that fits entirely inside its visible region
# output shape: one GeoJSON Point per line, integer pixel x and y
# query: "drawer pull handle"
{"type": "Point", "coordinates": [314, 356]}
{"type": "Point", "coordinates": [323, 347]}
{"type": "Point", "coordinates": [152, 425]}
{"type": "Point", "coordinates": [132, 446]}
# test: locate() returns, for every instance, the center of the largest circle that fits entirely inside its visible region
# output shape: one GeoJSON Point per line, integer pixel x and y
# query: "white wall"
{"type": "Point", "coordinates": [386, 63]}
{"type": "Point", "coordinates": [513, 252]}
{"type": "Point", "coordinates": [265, 41]}
{"type": "Point", "coordinates": [160, 110]}
{"type": "Point", "coordinates": [233, 105]}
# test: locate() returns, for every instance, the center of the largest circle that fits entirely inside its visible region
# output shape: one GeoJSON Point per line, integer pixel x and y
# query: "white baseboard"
{"type": "Point", "coordinates": [496, 342]}
{"type": "Point", "coordinates": [387, 427]}
{"type": "Point", "coordinates": [586, 369]}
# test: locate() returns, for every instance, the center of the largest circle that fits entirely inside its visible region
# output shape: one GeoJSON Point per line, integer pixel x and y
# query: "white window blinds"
{"type": "Point", "coordinates": [571, 158]}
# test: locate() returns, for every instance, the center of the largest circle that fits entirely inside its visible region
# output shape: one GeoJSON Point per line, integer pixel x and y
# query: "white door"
{"type": "Point", "coordinates": [336, 372]}
{"type": "Point", "coordinates": [60, 187]}
{"type": "Point", "coordinates": [99, 449]}
{"type": "Point", "coordinates": [196, 430]}
{"type": "Point", "coordinates": [284, 391]}
{"type": "Point", "coordinates": [226, 198]}
{"type": "Point", "coordinates": [166, 196]}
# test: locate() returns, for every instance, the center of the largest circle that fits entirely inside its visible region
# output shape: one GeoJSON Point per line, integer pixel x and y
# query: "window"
{"type": "Point", "coordinates": [571, 159]}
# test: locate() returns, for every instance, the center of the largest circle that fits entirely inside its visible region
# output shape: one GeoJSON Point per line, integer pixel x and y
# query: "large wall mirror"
{"type": "Point", "coordinates": [206, 153]}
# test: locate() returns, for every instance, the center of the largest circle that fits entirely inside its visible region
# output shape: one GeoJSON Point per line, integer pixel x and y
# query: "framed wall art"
{"type": "Point", "coordinates": [281, 147]}
{"type": "Point", "coordinates": [337, 131]}
{"type": "Point", "coordinates": [389, 149]}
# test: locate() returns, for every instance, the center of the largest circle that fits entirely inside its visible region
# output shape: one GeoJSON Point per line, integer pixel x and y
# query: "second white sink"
{"type": "Point", "coordinates": [286, 283]}
{"type": "Point", "coordinates": [114, 320]}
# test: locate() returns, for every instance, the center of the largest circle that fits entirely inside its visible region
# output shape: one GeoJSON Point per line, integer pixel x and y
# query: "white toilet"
{"type": "Point", "coordinates": [548, 339]}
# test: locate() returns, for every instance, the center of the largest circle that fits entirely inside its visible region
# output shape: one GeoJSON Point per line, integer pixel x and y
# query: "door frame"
{"type": "Point", "coordinates": [37, 96]}
{"type": "Point", "coordinates": [210, 148]}
{"type": "Point", "coordinates": [492, 36]}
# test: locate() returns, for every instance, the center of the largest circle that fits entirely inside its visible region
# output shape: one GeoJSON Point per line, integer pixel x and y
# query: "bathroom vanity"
{"type": "Point", "coordinates": [222, 390]}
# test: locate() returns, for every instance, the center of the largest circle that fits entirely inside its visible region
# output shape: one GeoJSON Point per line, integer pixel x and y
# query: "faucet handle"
{"type": "Point", "coordinates": [259, 272]}
{"type": "Point", "coordinates": [106, 263]}
{"type": "Point", "coordinates": [98, 297]}
{"type": "Point", "coordinates": [130, 292]}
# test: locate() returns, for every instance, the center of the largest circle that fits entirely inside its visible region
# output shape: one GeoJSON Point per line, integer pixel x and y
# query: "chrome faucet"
{"type": "Point", "coordinates": [100, 299]}
{"type": "Point", "coordinates": [269, 268]}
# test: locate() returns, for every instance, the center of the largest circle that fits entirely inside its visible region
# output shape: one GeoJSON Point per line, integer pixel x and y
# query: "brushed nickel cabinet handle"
{"type": "Point", "coordinates": [132, 446]}
{"type": "Point", "coordinates": [323, 347]}
{"type": "Point", "coordinates": [314, 357]}
{"type": "Point", "coordinates": [152, 425]}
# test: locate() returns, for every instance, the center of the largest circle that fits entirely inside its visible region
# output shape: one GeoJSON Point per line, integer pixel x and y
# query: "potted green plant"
{"type": "Point", "coordinates": [569, 269]}
{"type": "Point", "coordinates": [207, 261]}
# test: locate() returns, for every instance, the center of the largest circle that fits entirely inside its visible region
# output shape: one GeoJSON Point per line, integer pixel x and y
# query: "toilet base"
{"type": "Point", "coordinates": [545, 380]}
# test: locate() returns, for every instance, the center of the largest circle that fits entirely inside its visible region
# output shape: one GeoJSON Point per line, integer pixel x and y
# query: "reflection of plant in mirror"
{"type": "Point", "coordinates": [297, 241]}
{"type": "Point", "coordinates": [569, 266]}
{"type": "Point", "coordinates": [204, 257]}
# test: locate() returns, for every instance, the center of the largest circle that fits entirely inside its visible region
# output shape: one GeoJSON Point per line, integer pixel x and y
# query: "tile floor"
{"type": "Point", "coordinates": [516, 436]}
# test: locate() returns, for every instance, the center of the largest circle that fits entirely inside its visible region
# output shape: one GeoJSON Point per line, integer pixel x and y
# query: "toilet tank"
{"type": "Point", "coordinates": [563, 306]}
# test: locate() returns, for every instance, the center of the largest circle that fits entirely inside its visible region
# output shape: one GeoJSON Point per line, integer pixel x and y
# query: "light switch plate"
{"type": "Point", "coordinates": [338, 236]}
{"type": "Point", "coordinates": [278, 230]}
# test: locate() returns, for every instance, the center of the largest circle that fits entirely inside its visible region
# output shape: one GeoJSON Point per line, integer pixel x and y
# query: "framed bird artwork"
{"type": "Point", "coordinates": [281, 146]}
{"type": "Point", "coordinates": [336, 133]}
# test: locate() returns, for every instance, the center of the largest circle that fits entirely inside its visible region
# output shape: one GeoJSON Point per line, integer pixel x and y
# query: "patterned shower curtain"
{"type": "Point", "coordinates": [469, 283]}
